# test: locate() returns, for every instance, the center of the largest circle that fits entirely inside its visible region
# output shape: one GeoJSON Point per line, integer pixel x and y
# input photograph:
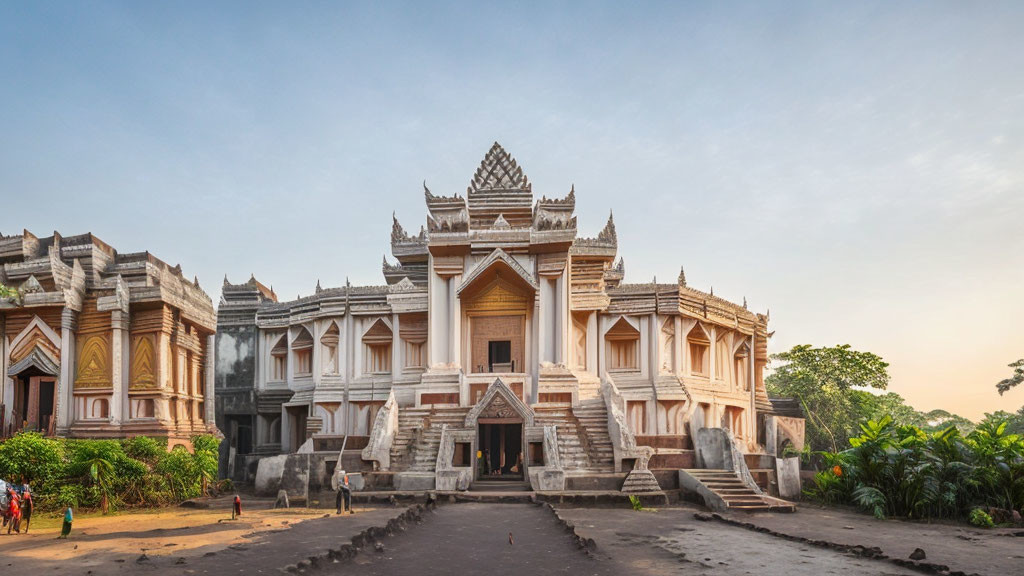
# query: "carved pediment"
{"type": "Point", "coordinates": [499, 402]}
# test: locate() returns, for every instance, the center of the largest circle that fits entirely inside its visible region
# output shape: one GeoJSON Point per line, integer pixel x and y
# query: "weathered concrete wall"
{"type": "Point", "coordinates": [713, 450]}
{"type": "Point", "coordinates": [787, 472]}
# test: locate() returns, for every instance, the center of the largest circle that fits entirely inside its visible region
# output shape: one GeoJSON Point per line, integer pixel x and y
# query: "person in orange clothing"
{"type": "Point", "coordinates": [14, 511]}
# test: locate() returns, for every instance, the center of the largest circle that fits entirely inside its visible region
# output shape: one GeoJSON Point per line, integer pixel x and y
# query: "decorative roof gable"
{"type": "Point", "coordinates": [498, 255]}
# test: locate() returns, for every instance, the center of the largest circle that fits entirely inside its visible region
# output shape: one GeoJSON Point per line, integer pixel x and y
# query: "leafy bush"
{"type": "Point", "coordinates": [30, 456]}
{"type": "Point", "coordinates": [93, 473]}
{"type": "Point", "coordinates": [980, 518]}
{"type": "Point", "coordinates": [144, 448]}
{"type": "Point", "coordinates": [903, 471]}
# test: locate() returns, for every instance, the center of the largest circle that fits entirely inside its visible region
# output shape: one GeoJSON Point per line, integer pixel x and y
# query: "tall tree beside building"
{"type": "Point", "coordinates": [826, 381]}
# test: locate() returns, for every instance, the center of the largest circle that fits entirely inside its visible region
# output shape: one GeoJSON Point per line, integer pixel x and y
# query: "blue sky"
{"type": "Point", "coordinates": [856, 168]}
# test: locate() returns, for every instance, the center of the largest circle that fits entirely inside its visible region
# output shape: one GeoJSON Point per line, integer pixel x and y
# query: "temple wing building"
{"type": "Point", "coordinates": [502, 345]}
{"type": "Point", "coordinates": [102, 344]}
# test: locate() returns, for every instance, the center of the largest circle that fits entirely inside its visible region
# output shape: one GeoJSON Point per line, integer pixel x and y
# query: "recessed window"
{"type": "Point", "coordinates": [623, 346]}
{"type": "Point", "coordinates": [699, 344]}
{"type": "Point", "coordinates": [279, 359]}
{"type": "Point", "coordinates": [499, 355]}
{"type": "Point", "coordinates": [302, 351]}
{"type": "Point", "coordinates": [377, 346]}
{"type": "Point", "coordinates": [330, 341]}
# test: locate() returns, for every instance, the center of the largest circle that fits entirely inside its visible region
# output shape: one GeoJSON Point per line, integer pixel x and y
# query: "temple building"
{"type": "Point", "coordinates": [502, 345]}
{"type": "Point", "coordinates": [96, 343]}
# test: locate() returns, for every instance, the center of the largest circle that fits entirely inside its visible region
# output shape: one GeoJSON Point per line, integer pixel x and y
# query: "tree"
{"type": "Point", "coordinates": [1016, 378]}
{"type": "Point", "coordinates": [828, 382]}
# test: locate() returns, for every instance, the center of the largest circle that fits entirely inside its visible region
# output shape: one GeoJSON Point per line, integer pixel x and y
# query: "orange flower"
{"type": "Point", "coordinates": [837, 470]}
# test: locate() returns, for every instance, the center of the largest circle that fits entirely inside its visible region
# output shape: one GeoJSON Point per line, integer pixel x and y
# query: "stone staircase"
{"type": "Point", "coordinates": [410, 424]}
{"type": "Point", "coordinates": [724, 490]}
{"type": "Point", "coordinates": [571, 452]}
{"type": "Point", "coordinates": [592, 419]}
{"type": "Point", "coordinates": [423, 441]}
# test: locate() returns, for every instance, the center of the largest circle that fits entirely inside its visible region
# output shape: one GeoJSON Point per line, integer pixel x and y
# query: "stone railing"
{"type": "Point", "coordinates": [550, 477]}
{"type": "Point", "coordinates": [385, 427]}
{"type": "Point", "coordinates": [623, 440]}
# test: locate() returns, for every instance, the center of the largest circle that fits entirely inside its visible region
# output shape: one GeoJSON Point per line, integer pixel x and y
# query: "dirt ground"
{"type": "Point", "coordinates": [995, 552]}
{"type": "Point", "coordinates": [473, 538]}
{"type": "Point", "coordinates": [672, 541]}
{"type": "Point", "coordinates": [183, 541]}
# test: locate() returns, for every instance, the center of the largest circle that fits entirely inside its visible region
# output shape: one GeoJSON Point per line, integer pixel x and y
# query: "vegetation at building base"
{"type": "Point", "coordinates": [108, 474]}
{"type": "Point", "coordinates": [903, 471]}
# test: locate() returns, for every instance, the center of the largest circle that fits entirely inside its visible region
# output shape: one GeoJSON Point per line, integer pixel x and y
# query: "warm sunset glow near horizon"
{"type": "Point", "coordinates": [857, 168]}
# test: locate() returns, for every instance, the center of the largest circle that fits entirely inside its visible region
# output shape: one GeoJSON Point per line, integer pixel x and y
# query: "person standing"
{"type": "Point", "coordinates": [344, 494]}
{"type": "Point", "coordinates": [26, 509]}
{"type": "Point", "coordinates": [66, 528]}
{"type": "Point", "coordinates": [14, 509]}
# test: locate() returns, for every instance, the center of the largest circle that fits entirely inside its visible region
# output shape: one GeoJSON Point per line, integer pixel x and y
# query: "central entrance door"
{"type": "Point", "coordinates": [502, 447]}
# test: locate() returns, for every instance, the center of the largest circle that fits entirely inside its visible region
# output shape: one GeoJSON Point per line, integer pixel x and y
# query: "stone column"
{"type": "Point", "coordinates": [397, 353]}
{"type": "Point", "coordinates": [118, 366]}
{"type": "Point", "coordinates": [544, 312]}
{"type": "Point", "coordinates": [712, 355]}
{"type": "Point", "coordinates": [286, 432]}
{"type": "Point", "coordinates": [65, 383]}
{"type": "Point", "coordinates": [455, 346]}
{"type": "Point", "coordinates": [209, 392]}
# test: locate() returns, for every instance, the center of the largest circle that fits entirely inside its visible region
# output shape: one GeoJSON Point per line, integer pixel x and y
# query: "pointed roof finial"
{"type": "Point", "coordinates": [682, 276]}
{"type": "Point", "coordinates": [744, 302]}
{"type": "Point", "coordinates": [226, 280]}
{"type": "Point", "coordinates": [712, 290]}
{"type": "Point", "coordinates": [318, 288]}
{"type": "Point", "coordinates": [426, 191]}
{"type": "Point", "coordinates": [608, 234]}
{"type": "Point", "coordinates": [195, 280]}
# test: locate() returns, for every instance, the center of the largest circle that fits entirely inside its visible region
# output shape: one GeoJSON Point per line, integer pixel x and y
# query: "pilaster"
{"type": "Point", "coordinates": [65, 403]}
{"type": "Point", "coordinates": [209, 393]}
{"type": "Point", "coordinates": [397, 352]}
{"type": "Point", "coordinates": [118, 367]}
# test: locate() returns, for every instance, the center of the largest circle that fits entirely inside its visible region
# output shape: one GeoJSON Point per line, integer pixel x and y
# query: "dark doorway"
{"type": "Point", "coordinates": [502, 447]}
{"type": "Point", "coordinates": [46, 404]}
{"type": "Point", "coordinates": [499, 356]}
{"type": "Point", "coordinates": [34, 402]}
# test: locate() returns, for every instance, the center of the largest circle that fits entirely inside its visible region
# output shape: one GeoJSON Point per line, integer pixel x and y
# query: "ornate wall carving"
{"type": "Point", "coordinates": [94, 362]}
{"type": "Point", "coordinates": [143, 366]}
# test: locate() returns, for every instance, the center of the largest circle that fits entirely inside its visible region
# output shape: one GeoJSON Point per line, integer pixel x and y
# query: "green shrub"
{"type": "Point", "coordinates": [902, 471]}
{"type": "Point", "coordinates": [69, 495]}
{"type": "Point", "coordinates": [980, 518]}
{"type": "Point", "coordinates": [132, 472]}
{"type": "Point", "coordinates": [144, 448]}
{"type": "Point", "coordinates": [40, 461]}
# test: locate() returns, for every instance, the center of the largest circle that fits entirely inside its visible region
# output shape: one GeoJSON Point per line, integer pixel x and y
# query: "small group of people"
{"type": "Point", "coordinates": [16, 506]}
